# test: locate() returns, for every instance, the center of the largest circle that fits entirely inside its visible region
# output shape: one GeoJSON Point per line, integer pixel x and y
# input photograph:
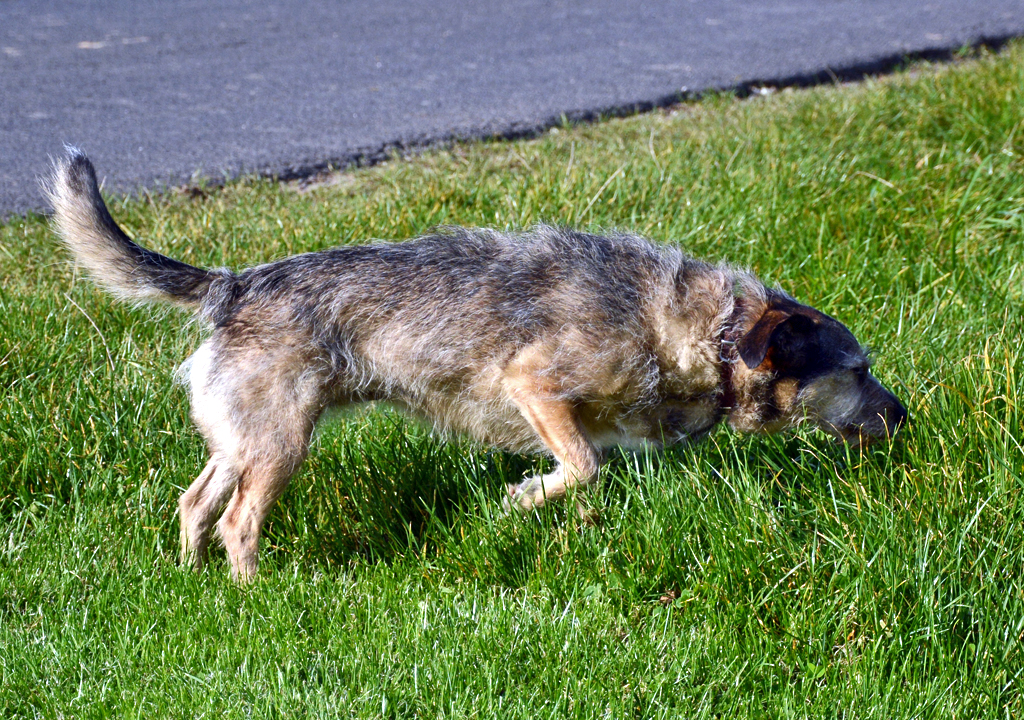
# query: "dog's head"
{"type": "Point", "coordinates": [801, 364]}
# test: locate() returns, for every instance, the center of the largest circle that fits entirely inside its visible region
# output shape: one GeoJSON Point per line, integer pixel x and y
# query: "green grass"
{"type": "Point", "coordinates": [765, 577]}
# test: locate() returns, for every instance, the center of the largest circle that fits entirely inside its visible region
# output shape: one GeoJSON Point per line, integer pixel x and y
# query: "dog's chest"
{"type": "Point", "coordinates": [667, 422]}
{"type": "Point", "coordinates": [684, 404]}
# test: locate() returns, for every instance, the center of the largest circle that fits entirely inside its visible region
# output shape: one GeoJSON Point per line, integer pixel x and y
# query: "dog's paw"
{"type": "Point", "coordinates": [524, 497]}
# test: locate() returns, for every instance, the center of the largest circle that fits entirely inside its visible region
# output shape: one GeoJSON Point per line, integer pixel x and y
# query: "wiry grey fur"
{"type": "Point", "coordinates": [549, 340]}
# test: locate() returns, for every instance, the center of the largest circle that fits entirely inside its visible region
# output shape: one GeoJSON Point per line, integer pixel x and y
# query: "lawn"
{"type": "Point", "coordinates": [742, 577]}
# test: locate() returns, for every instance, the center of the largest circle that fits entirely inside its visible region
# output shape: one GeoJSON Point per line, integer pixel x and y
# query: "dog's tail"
{"type": "Point", "coordinates": [123, 267]}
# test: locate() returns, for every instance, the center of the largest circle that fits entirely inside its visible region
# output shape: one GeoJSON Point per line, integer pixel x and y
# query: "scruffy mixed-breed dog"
{"type": "Point", "coordinates": [546, 341]}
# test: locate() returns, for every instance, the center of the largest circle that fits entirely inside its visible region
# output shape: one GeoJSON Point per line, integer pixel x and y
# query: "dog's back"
{"type": "Point", "coordinates": [440, 310]}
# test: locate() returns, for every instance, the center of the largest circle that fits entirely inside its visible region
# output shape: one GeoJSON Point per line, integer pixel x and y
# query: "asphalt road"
{"type": "Point", "coordinates": [160, 92]}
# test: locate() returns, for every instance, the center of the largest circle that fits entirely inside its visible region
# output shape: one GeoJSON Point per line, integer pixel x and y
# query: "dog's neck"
{"type": "Point", "coordinates": [743, 392]}
{"type": "Point", "coordinates": [732, 330]}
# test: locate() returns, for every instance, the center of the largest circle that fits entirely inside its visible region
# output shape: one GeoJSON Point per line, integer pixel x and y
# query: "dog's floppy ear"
{"type": "Point", "coordinates": [780, 329]}
{"type": "Point", "coordinates": [753, 347]}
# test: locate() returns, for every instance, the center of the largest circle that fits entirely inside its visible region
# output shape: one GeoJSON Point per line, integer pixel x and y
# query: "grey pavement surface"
{"type": "Point", "coordinates": [162, 92]}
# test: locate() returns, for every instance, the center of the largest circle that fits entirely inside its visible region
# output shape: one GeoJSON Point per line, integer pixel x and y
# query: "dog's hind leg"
{"type": "Point", "coordinates": [199, 506]}
{"type": "Point", "coordinates": [557, 423]}
{"type": "Point", "coordinates": [271, 442]}
{"type": "Point", "coordinates": [256, 405]}
{"type": "Point", "coordinates": [264, 476]}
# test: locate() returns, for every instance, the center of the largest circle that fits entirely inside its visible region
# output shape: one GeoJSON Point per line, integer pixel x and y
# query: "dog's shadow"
{"type": "Point", "coordinates": [378, 487]}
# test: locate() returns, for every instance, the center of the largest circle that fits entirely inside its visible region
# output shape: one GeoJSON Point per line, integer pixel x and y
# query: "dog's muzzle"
{"type": "Point", "coordinates": [880, 417]}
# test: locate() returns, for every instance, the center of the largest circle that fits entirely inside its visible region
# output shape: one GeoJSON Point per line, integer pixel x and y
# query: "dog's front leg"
{"type": "Point", "coordinates": [557, 423]}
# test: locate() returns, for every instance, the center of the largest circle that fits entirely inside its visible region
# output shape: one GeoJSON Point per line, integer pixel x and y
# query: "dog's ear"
{"type": "Point", "coordinates": [786, 334]}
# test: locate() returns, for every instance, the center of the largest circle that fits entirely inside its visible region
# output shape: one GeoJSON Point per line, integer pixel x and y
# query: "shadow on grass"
{"type": "Point", "coordinates": [379, 488]}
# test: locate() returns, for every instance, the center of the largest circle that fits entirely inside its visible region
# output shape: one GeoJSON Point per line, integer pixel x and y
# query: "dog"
{"type": "Point", "coordinates": [550, 340]}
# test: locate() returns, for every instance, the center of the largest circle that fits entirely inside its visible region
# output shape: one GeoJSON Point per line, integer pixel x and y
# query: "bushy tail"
{"type": "Point", "coordinates": [111, 257]}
